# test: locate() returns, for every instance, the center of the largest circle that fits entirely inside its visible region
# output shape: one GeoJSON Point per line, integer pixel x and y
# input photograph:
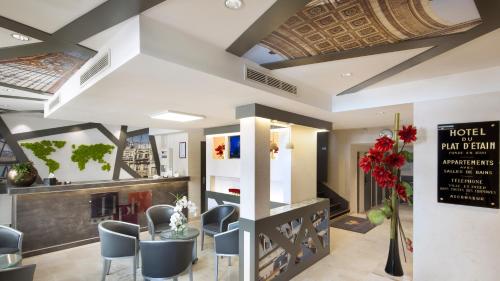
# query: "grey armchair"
{"type": "Point", "coordinates": [11, 241]}
{"type": "Point", "coordinates": [227, 245]}
{"type": "Point", "coordinates": [118, 240]}
{"type": "Point", "coordinates": [158, 219]}
{"type": "Point", "coordinates": [166, 259]}
{"type": "Point", "coordinates": [20, 273]}
{"type": "Point", "coordinates": [216, 220]}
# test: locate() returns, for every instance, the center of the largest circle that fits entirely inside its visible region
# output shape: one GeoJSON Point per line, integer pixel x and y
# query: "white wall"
{"type": "Point", "coordinates": [171, 141]}
{"type": "Point", "coordinates": [68, 169]}
{"type": "Point", "coordinates": [222, 174]}
{"type": "Point", "coordinates": [452, 242]}
{"type": "Point", "coordinates": [342, 160]}
{"type": "Point", "coordinates": [304, 161]}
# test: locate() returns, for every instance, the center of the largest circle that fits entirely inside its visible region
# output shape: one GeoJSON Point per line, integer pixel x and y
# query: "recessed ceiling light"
{"type": "Point", "coordinates": [20, 37]}
{"type": "Point", "coordinates": [233, 4]}
{"type": "Point", "coordinates": [177, 116]}
{"type": "Point", "coordinates": [347, 74]}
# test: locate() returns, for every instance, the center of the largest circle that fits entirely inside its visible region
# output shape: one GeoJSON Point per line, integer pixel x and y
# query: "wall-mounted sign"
{"type": "Point", "coordinates": [468, 158]}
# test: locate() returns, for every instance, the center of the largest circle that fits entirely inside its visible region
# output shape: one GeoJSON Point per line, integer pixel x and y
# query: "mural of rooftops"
{"type": "Point", "coordinates": [44, 73]}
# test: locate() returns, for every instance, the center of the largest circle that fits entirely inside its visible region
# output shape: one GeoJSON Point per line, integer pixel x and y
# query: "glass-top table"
{"type": "Point", "coordinates": [9, 260]}
{"type": "Point", "coordinates": [189, 233]}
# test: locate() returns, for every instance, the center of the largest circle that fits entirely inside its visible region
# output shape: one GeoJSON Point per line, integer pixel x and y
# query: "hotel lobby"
{"type": "Point", "coordinates": [332, 140]}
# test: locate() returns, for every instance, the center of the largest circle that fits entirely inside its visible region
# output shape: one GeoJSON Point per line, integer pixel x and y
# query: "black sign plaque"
{"type": "Point", "coordinates": [468, 159]}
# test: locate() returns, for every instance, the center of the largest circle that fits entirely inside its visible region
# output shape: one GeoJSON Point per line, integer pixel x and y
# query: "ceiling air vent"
{"type": "Point", "coordinates": [261, 78]}
{"type": "Point", "coordinates": [53, 103]}
{"type": "Point", "coordinates": [95, 69]}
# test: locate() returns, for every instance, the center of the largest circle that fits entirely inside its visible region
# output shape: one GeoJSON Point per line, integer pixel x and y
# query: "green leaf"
{"type": "Point", "coordinates": [387, 210]}
{"type": "Point", "coordinates": [408, 156]}
{"type": "Point", "coordinates": [409, 191]}
{"type": "Point", "coordinates": [376, 216]}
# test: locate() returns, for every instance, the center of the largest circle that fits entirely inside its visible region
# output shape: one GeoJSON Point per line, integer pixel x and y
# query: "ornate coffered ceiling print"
{"type": "Point", "coordinates": [44, 73]}
{"type": "Point", "coordinates": [326, 26]}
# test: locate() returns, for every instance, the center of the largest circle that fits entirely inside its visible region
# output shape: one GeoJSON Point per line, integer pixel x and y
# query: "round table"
{"type": "Point", "coordinates": [189, 233]}
{"type": "Point", "coordinates": [10, 260]}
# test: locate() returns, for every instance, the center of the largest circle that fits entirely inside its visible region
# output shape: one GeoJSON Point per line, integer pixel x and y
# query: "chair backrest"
{"type": "Point", "coordinates": [118, 239]}
{"type": "Point", "coordinates": [165, 259]}
{"type": "Point", "coordinates": [218, 213]}
{"type": "Point", "coordinates": [10, 238]}
{"type": "Point", "coordinates": [159, 214]}
{"type": "Point", "coordinates": [227, 243]}
{"type": "Point", "coordinates": [20, 273]}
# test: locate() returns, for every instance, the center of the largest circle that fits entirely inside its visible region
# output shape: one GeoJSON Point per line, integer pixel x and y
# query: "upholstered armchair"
{"type": "Point", "coordinates": [216, 220]}
{"type": "Point", "coordinates": [118, 240]}
{"type": "Point", "coordinates": [226, 245]}
{"type": "Point", "coordinates": [19, 273]}
{"type": "Point", "coordinates": [11, 241]}
{"type": "Point", "coordinates": [166, 259]}
{"type": "Point", "coordinates": [158, 219]}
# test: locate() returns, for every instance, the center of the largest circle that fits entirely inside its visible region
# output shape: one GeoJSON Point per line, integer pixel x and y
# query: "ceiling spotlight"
{"type": "Point", "coordinates": [20, 37]}
{"type": "Point", "coordinates": [347, 74]}
{"type": "Point", "coordinates": [177, 116]}
{"type": "Point", "coordinates": [233, 4]}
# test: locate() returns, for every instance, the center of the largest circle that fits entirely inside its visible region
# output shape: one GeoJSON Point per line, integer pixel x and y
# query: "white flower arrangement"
{"type": "Point", "coordinates": [178, 221]}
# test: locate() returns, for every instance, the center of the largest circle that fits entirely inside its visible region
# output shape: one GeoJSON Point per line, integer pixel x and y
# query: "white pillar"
{"type": "Point", "coordinates": [255, 168]}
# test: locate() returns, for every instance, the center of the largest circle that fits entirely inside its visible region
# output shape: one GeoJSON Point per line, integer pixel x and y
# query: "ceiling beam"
{"type": "Point", "coordinates": [67, 38]}
{"type": "Point", "coordinates": [21, 98]}
{"type": "Point", "coordinates": [275, 16]}
{"type": "Point", "coordinates": [106, 15]}
{"type": "Point", "coordinates": [488, 11]}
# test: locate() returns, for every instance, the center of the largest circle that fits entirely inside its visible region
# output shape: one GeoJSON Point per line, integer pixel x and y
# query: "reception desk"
{"type": "Point", "coordinates": [64, 216]}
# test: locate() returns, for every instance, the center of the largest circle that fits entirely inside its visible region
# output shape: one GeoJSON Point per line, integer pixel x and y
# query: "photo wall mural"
{"type": "Point", "coordinates": [7, 157]}
{"type": "Point", "coordinates": [139, 156]}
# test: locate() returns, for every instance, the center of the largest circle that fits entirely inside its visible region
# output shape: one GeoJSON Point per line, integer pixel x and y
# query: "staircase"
{"type": "Point", "coordinates": [338, 205]}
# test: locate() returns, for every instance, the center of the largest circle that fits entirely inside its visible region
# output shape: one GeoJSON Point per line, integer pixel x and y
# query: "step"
{"type": "Point", "coordinates": [339, 213]}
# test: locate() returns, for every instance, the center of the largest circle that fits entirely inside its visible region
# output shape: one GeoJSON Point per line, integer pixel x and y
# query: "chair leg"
{"type": "Point", "coordinates": [105, 268]}
{"type": "Point", "coordinates": [229, 261]}
{"type": "Point", "coordinates": [134, 268]}
{"type": "Point", "coordinates": [191, 272]}
{"type": "Point", "coordinates": [216, 268]}
{"type": "Point", "coordinates": [202, 239]}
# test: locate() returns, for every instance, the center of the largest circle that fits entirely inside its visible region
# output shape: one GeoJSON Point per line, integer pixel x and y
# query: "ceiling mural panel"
{"type": "Point", "coordinates": [44, 73]}
{"type": "Point", "coordinates": [326, 26]}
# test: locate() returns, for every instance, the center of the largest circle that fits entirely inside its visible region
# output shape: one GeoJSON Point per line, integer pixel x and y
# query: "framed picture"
{"type": "Point", "coordinates": [234, 147]}
{"type": "Point", "coordinates": [182, 149]}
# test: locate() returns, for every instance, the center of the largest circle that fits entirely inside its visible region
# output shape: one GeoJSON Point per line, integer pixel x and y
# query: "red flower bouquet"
{"type": "Point", "coordinates": [384, 161]}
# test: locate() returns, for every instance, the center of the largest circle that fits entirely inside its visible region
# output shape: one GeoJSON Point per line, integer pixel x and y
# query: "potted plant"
{"type": "Point", "coordinates": [22, 174]}
{"type": "Point", "coordinates": [385, 161]}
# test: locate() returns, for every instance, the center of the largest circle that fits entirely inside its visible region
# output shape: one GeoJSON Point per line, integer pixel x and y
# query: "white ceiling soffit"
{"type": "Point", "coordinates": [46, 15]}
{"type": "Point", "coordinates": [209, 20]}
{"type": "Point", "coordinates": [477, 54]}
{"type": "Point", "coordinates": [372, 117]}
{"type": "Point", "coordinates": [97, 41]}
{"type": "Point", "coordinates": [6, 39]}
{"type": "Point", "coordinates": [336, 76]}
{"type": "Point", "coordinates": [146, 85]}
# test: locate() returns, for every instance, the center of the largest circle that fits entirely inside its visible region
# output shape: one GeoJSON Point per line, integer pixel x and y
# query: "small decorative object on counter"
{"type": "Point", "coordinates": [178, 220]}
{"type": "Point", "coordinates": [234, 190]}
{"type": "Point", "coordinates": [22, 174]}
{"type": "Point", "coordinates": [51, 180]}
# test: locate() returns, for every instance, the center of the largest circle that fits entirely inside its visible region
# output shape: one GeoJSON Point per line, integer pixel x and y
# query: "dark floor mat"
{"type": "Point", "coordinates": [355, 224]}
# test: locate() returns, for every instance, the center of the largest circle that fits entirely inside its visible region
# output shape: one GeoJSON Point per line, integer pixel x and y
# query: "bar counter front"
{"type": "Point", "coordinates": [57, 217]}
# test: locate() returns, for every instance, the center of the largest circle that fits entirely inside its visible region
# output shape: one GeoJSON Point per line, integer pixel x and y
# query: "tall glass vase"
{"type": "Point", "coordinates": [393, 265]}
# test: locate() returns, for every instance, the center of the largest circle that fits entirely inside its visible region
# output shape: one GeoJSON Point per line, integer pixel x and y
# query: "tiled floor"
{"type": "Point", "coordinates": [354, 257]}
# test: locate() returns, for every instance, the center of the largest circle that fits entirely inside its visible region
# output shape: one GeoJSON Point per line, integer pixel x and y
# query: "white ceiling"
{"type": "Point", "coordinates": [209, 20]}
{"type": "Point", "coordinates": [46, 15]}
{"type": "Point", "coordinates": [327, 76]}
{"type": "Point", "coordinates": [477, 54]}
{"type": "Point", "coordinates": [146, 85]}
{"type": "Point", "coordinates": [6, 39]}
{"type": "Point", "coordinates": [19, 104]}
